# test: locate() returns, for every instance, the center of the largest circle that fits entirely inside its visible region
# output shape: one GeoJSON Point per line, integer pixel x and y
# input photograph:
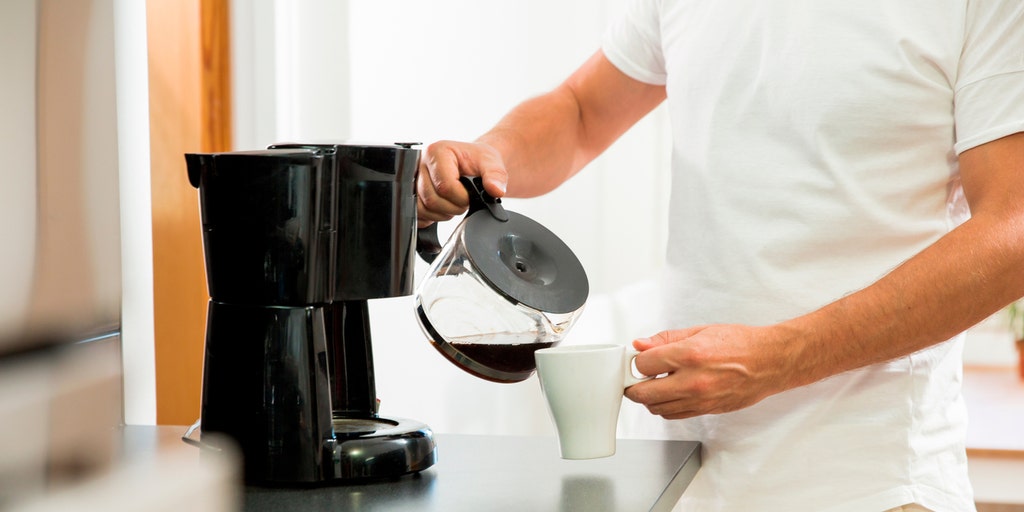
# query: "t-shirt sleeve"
{"type": "Point", "coordinates": [989, 91]}
{"type": "Point", "coordinates": [632, 43]}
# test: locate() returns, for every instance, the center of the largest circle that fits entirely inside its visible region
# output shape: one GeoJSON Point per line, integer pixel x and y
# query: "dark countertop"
{"type": "Point", "coordinates": [502, 473]}
{"type": "Point", "coordinates": [493, 473]}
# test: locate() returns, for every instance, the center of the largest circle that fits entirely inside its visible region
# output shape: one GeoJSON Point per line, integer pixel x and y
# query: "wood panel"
{"type": "Point", "coordinates": [215, 32]}
{"type": "Point", "coordinates": [189, 112]}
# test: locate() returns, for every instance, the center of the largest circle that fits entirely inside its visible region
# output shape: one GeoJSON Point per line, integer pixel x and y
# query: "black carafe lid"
{"type": "Point", "coordinates": [520, 258]}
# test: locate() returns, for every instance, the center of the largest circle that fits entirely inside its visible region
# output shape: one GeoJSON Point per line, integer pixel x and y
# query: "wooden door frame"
{"type": "Point", "coordinates": [190, 111]}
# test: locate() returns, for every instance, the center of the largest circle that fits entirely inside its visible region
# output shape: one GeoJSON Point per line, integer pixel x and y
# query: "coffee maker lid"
{"type": "Point", "coordinates": [371, 150]}
{"type": "Point", "coordinates": [525, 261]}
{"type": "Point", "coordinates": [244, 160]}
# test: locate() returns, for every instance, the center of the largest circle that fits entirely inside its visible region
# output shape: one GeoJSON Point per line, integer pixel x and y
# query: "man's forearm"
{"type": "Point", "coordinates": [547, 139]}
{"type": "Point", "coordinates": [538, 141]}
{"type": "Point", "coordinates": [950, 286]}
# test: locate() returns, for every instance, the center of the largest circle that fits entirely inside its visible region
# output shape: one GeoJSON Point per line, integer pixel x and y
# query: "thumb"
{"type": "Point", "coordinates": [495, 186]}
{"type": "Point", "coordinates": [490, 166]}
{"type": "Point", "coordinates": [495, 180]}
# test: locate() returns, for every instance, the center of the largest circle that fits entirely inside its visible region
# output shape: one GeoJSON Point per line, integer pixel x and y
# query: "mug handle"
{"type": "Point", "coordinates": [629, 375]}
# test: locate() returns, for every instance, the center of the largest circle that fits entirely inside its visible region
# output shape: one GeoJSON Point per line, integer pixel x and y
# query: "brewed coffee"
{"type": "Point", "coordinates": [507, 358]}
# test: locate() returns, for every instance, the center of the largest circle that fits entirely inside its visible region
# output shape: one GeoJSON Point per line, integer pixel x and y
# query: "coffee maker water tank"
{"type": "Point", "coordinates": [374, 218]}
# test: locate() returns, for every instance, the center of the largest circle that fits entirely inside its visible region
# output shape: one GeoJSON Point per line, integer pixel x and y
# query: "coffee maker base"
{"type": "Point", "coordinates": [367, 448]}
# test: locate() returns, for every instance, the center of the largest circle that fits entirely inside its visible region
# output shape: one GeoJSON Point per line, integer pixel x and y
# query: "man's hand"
{"type": "Point", "coordinates": [440, 194]}
{"type": "Point", "coordinates": [710, 369]}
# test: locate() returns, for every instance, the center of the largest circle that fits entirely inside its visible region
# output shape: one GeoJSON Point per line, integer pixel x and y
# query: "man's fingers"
{"type": "Point", "coordinates": [441, 195]}
{"type": "Point", "coordinates": [661, 353]}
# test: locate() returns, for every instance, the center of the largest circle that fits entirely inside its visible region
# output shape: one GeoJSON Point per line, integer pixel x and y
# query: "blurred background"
{"type": "Point", "coordinates": [103, 295]}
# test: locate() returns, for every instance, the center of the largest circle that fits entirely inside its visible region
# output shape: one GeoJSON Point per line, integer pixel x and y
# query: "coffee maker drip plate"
{"type": "Point", "coordinates": [381, 447]}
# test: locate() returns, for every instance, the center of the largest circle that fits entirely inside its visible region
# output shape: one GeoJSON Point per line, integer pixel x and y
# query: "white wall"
{"type": "Point", "coordinates": [289, 71]}
{"type": "Point", "coordinates": [132, 86]}
{"type": "Point", "coordinates": [426, 71]}
{"type": "Point", "coordinates": [450, 69]}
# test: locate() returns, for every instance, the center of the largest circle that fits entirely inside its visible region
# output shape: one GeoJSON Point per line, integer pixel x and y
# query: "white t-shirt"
{"type": "Point", "coordinates": [815, 148]}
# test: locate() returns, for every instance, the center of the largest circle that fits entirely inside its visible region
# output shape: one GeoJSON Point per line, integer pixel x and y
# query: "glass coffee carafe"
{"type": "Point", "coordinates": [502, 287]}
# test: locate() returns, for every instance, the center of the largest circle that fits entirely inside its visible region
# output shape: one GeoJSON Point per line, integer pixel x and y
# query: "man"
{"type": "Point", "coordinates": [817, 276]}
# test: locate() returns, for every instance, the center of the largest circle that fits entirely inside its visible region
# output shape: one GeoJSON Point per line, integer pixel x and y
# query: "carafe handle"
{"type": "Point", "coordinates": [480, 199]}
{"type": "Point", "coordinates": [428, 246]}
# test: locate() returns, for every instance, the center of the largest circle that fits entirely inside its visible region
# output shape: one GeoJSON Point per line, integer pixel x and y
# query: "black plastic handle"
{"type": "Point", "coordinates": [479, 199]}
{"type": "Point", "coordinates": [427, 244]}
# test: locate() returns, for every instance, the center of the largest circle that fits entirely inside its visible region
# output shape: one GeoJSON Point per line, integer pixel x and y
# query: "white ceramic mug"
{"type": "Point", "coordinates": [583, 385]}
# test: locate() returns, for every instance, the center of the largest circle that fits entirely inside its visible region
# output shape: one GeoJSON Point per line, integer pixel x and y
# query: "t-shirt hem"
{"type": "Point", "coordinates": [630, 68]}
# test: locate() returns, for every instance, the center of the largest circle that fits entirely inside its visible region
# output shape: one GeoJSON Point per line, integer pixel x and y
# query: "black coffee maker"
{"type": "Point", "coordinates": [297, 238]}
